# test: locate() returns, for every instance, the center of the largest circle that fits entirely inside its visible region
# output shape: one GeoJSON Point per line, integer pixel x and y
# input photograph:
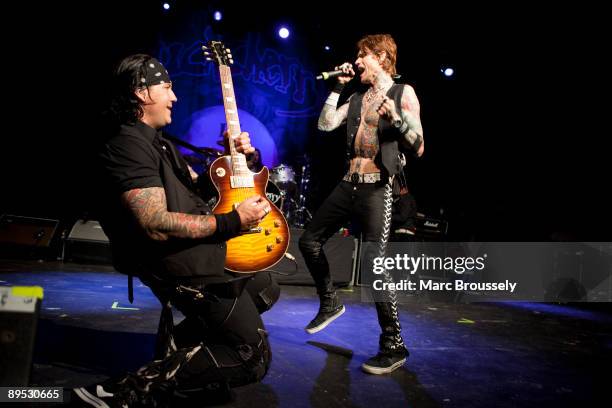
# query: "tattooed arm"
{"type": "Point", "coordinates": [408, 121]}
{"type": "Point", "coordinates": [331, 118]}
{"type": "Point", "coordinates": [411, 126]}
{"type": "Point", "coordinates": [149, 207]}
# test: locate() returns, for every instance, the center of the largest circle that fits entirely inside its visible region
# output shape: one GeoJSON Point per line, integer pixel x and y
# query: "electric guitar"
{"type": "Point", "coordinates": [261, 246]}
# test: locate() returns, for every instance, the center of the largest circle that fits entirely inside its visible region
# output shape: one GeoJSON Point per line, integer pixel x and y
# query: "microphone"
{"type": "Point", "coordinates": [331, 74]}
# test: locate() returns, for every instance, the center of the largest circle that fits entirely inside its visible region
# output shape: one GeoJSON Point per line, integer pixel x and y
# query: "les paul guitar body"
{"type": "Point", "coordinates": [262, 246]}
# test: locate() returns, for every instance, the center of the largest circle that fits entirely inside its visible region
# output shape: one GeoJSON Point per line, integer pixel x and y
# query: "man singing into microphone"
{"type": "Point", "coordinates": [380, 122]}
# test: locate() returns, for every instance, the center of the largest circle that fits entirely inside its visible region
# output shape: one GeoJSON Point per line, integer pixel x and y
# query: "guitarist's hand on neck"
{"type": "Point", "coordinates": [252, 211]}
{"type": "Point", "coordinates": [242, 143]}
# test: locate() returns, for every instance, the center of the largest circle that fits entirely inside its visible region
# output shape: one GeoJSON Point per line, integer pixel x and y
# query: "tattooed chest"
{"type": "Point", "coordinates": [366, 141]}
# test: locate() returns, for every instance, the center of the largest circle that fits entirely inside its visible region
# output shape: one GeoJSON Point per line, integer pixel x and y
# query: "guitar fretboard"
{"type": "Point", "coordinates": [242, 175]}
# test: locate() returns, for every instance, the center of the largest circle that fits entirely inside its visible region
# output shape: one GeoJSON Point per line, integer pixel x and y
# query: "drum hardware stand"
{"type": "Point", "coordinates": [302, 215]}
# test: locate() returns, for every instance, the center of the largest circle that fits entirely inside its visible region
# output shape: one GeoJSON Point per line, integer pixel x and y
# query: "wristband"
{"type": "Point", "coordinates": [228, 225]}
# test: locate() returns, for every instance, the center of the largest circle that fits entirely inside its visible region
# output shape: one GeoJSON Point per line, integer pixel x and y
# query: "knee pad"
{"type": "Point", "coordinates": [268, 297]}
{"type": "Point", "coordinates": [256, 357]}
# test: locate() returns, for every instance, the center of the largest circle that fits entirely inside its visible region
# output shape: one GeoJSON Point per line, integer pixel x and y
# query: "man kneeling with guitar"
{"type": "Point", "coordinates": [164, 233]}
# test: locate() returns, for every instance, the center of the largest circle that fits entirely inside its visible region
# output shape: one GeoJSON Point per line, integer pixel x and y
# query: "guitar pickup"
{"type": "Point", "coordinates": [254, 230]}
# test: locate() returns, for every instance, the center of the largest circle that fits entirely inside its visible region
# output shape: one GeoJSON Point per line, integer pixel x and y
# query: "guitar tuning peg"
{"type": "Point", "coordinates": [204, 47]}
{"type": "Point", "coordinates": [228, 50]}
{"type": "Point", "coordinates": [208, 59]}
{"type": "Point", "coordinates": [229, 56]}
{"type": "Point", "coordinates": [206, 53]}
{"type": "Point", "coordinates": [231, 61]}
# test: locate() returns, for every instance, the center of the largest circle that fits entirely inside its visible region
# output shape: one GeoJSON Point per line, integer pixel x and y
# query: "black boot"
{"type": "Point", "coordinates": [393, 353]}
{"type": "Point", "coordinates": [386, 361]}
{"type": "Point", "coordinates": [330, 309]}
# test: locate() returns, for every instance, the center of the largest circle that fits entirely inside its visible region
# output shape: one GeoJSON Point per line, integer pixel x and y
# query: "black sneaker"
{"type": "Point", "coordinates": [97, 396]}
{"type": "Point", "coordinates": [386, 361]}
{"type": "Point", "coordinates": [331, 308]}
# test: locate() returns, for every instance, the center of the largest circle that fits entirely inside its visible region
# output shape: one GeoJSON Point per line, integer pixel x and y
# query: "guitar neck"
{"type": "Point", "coordinates": [231, 116]}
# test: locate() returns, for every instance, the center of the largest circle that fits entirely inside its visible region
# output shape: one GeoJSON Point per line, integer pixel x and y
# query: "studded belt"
{"type": "Point", "coordinates": [357, 178]}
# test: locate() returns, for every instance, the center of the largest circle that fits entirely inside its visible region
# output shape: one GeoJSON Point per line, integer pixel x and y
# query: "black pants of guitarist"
{"type": "Point", "coordinates": [220, 344]}
{"type": "Point", "coordinates": [363, 204]}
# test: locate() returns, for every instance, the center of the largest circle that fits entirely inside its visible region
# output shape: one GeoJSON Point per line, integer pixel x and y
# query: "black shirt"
{"type": "Point", "coordinates": [139, 157]}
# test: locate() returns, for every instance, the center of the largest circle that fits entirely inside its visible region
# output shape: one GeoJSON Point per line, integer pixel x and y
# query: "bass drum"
{"type": "Point", "coordinates": [274, 194]}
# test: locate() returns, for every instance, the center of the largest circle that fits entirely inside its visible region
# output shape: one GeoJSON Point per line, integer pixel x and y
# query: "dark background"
{"type": "Point", "coordinates": [514, 150]}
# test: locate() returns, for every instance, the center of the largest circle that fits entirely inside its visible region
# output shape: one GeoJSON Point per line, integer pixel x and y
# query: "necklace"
{"type": "Point", "coordinates": [374, 91]}
{"type": "Point", "coordinates": [372, 94]}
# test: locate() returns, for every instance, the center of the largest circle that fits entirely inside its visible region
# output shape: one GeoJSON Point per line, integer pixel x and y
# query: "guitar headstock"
{"type": "Point", "coordinates": [216, 51]}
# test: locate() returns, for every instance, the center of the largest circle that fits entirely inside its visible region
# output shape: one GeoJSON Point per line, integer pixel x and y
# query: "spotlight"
{"type": "Point", "coordinates": [283, 32]}
{"type": "Point", "coordinates": [448, 72]}
{"type": "Point", "coordinates": [217, 15]}
{"type": "Point", "coordinates": [166, 6]}
{"type": "Point", "coordinates": [327, 48]}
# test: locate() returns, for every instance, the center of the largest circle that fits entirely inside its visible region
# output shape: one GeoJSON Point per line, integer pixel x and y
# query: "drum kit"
{"type": "Point", "coordinates": [286, 190]}
{"type": "Point", "coordinates": [288, 194]}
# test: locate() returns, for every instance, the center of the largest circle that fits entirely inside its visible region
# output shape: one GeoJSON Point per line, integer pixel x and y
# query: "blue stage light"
{"type": "Point", "coordinates": [283, 32]}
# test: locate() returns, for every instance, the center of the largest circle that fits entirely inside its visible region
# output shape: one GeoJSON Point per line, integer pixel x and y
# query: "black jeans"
{"type": "Point", "coordinates": [364, 205]}
{"type": "Point", "coordinates": [225, 330]}
{"type": "Point", "coordinates": [360, 203]}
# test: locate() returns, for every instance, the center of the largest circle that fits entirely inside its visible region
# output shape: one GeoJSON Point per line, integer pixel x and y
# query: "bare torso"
{"type": "Point", "coordinates": [366, 141]}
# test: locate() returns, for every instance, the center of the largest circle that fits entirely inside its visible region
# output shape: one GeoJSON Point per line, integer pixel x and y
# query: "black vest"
{"type": "Point", "coordinates": [388, 157]}
{"type": "Point", "coordinates": [136, 254]}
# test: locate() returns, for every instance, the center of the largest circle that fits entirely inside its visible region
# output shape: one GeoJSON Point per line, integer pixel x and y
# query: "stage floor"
{"type": "Point", "coordinates": [462, 355]}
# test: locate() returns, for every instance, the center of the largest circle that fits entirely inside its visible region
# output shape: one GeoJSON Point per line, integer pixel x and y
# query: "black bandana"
{"type": "Point", "coordinates": [155, 74]}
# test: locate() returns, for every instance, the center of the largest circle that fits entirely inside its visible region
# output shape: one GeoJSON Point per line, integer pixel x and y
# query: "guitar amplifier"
{"type": "Point", "coordinates": [430, 228]}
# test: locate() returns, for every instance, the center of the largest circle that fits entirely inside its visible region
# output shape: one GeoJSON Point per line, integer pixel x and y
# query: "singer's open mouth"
{"type": "Point", "coordinates": [360, 70]}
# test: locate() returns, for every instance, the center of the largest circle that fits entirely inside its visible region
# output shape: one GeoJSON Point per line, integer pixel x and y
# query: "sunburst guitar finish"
{"type": "Point", "coordinates": [262, 246]}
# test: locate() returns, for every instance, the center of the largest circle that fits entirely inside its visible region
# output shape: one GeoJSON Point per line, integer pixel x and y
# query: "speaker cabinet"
{"type": "Point", "coordinates": [87, 242]}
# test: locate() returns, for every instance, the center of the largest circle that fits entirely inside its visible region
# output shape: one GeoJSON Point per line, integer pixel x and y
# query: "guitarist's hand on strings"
{"type": "Point", "coordinates": [252, 211]}
{"type": "Point", "coordinates": [241, 141]}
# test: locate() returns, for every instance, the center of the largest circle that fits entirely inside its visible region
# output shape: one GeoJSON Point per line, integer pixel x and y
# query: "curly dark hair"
{"type": "Point", "coordinates": [125, 107]}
